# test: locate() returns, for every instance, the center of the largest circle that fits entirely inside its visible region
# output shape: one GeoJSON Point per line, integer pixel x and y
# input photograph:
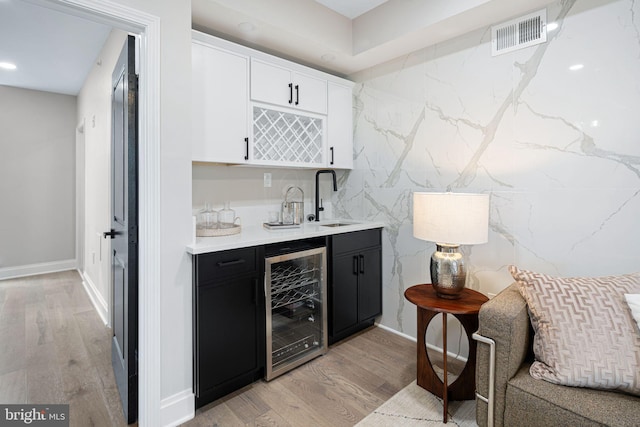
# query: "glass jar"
{"type": "Point", "coordinates": [227, 217]}
{"type": "Point", "coordinates": [207, 217]}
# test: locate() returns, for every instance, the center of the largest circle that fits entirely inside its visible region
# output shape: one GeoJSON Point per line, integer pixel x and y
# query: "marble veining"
{"type": "Point", "coordinates": [550, 131]}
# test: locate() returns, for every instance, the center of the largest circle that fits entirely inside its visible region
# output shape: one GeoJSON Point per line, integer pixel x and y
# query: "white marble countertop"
{"type": "Point", "coordinates": [254, 235]}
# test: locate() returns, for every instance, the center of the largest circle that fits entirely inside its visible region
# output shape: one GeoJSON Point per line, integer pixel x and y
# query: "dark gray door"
{"type": "Point", "coordinates": [124, 229]}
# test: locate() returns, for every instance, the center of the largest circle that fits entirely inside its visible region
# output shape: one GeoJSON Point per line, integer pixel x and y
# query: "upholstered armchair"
{"type": "Point", "coordinates": [508, 395]}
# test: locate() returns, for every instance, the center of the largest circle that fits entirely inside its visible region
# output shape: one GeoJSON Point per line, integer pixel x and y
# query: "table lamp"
{"type": "Point", "coordinates": [450, 220]}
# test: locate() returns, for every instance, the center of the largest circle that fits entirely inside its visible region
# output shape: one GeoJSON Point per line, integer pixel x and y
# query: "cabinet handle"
{"type": "Point", "coordinates": [265, 291]}
{"type": "Point", "coordinates": [355, 265]}
{"type": "Point", "coordinates": [290, 93]}
{"type": "Point", "coordinates": [361, 264]}
{"type": "Point", "coordinates": [255, 291]}
{"type": "Point", "coordinates": [297, 94]}
{"type": "Point", "coordinates": [331, 149]}
{"type": "Point", "coordinates": [246, 143]}
{"type": "Point", "coordinates": [230, 263]}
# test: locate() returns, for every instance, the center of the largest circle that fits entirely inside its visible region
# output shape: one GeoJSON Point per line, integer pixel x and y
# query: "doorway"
{"type": "Point", "coordinates": [147, 27]}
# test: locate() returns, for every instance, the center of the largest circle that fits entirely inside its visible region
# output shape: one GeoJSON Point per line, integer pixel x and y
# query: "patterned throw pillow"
{"type": "Point", "coordinates": [584, 333]}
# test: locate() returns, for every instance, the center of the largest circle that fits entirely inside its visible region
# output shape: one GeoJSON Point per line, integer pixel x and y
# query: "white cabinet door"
{"type": "Point", "coordinates": [340, 127]}
{"type": "Point", "coordinates": [273, 84]}
{"type": "Point", "coordinates": [220, 97]}
{"type": "Point", "coordinates": [309, 93]}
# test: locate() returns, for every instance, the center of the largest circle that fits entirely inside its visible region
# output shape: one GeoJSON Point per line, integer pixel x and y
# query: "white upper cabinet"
{"type": "Point", "coordinates": [256, 109]}
{"type": "Point", "coordinates": [278, 85]}
{"type": "Point", "coordinates": [340, 126]}
{"type": "Point", "coordinates": [220, 99]}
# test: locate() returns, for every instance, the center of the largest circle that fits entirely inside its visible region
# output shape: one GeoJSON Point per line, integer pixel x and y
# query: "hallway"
{"type": "Point", "coordinates": [55, 349]}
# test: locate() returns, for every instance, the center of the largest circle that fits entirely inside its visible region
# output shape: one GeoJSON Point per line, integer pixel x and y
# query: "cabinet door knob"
{"type": "Point", "coordinates": [246, 155]}
{"type": "Point", "coordinates": [331, 149]}
{"type": "Point", "coordinates": [355, 265]}
{"type": "Point", "coordinates": [297, 94]}
{"type": "Point", "coordinates": [361, 264]}
{"type": "Point", "coordinates": [290, 93]}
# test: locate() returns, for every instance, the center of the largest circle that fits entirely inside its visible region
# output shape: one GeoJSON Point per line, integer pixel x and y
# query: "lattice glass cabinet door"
{"type": "Point", "coordinates": [282, 137]}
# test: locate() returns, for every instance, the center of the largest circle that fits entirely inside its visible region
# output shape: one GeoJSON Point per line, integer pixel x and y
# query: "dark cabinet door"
{"type": "Point", "coordinates": [345, 293]}
{"type": "Point", "coordinates": [355, 288]}
{"type": "Point", "coordinates": [369, 284]}
{"type": "Point", "coordinates": [228, 323]}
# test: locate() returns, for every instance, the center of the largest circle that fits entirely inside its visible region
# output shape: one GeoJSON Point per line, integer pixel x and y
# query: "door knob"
{"type": "Point", "coordinates": [111, 233]}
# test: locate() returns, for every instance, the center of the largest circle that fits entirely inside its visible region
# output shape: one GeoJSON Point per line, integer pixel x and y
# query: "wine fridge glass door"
{"type": "Point", "coordinates": [295, 286]}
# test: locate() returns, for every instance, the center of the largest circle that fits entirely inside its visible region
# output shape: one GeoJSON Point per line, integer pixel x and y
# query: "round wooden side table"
{"type": "Point", "coordinates": [465, 309]}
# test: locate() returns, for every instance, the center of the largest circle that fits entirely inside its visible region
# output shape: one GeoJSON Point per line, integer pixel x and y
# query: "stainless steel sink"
{"type": "Point", "coordinates": [338, 224]}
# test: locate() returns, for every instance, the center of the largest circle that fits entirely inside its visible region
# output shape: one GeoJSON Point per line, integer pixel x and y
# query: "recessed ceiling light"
{"type": "Point", "coordinates": [576, 67]}
{"type": "Point", "coordinates": [7, 66]}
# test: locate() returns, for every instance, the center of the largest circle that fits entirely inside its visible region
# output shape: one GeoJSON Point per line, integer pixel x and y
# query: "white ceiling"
{"type": "Point", "coordinates": [351, 8]}
{"type": "Point", "coordinates": [330, 40]}
{"type": "Point", "coordinates": [52, 51]}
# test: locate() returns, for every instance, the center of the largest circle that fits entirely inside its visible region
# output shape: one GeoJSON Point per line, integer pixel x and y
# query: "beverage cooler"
{"type": "Point", "coordinates": [296, 308]}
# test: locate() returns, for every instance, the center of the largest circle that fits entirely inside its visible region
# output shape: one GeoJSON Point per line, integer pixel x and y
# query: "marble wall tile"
{"type": "Point", "coordinates": [557, 149]}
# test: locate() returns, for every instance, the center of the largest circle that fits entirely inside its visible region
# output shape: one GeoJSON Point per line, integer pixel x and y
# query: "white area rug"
{"type": "Point", "coordinates": [415, 406]}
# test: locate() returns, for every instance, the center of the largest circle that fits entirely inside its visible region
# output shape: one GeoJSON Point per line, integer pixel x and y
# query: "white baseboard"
{"type": "Point", "coordinates": [41, 268]}
{"type": "Point", "coordinates": [97, 300]}
{"type": "Point", "coordinates": [177, 409]}
{"type": "Point", "coordinates": [402, 334]}
{"type": "Point", "coordinates": [431, 346]}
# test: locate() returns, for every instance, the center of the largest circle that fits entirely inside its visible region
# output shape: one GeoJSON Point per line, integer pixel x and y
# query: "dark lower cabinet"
{"type": "Point", "coordinates": [355, 285]}
{"type": "Point", "coordinates": [229, 308]}
{"type": "Point", "coordinates": [229, 331]}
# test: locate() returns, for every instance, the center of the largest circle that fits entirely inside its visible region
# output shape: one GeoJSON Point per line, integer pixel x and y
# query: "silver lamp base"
{"type": "Point", "coordinates": [448, 271]}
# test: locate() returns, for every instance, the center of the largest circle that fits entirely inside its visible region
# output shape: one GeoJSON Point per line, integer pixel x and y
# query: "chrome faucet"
{"type": "Point", "coordinates": [335, 188]}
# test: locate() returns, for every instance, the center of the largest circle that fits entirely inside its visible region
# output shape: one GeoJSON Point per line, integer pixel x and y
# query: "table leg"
{"type": "Point", "coordinates": [427, 378]}
{"type": "Point", "coordinates": [445, 393]}
{"type": "Point", "coordinates": [463, 388]}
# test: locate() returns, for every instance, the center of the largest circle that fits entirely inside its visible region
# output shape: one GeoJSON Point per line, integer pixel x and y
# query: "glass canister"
{"type": "Point", "coordinates": [207, 217]}
{"type": "Point", "coordinates": [227, 217]}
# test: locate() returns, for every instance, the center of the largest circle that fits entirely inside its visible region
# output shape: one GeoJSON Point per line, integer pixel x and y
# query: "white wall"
{"type": "Point", "coordinates": [557, 150]}
{"type": "Point", "coordinates": [94, 111]}
{"type": "Point", "coordinates": [37, 181]}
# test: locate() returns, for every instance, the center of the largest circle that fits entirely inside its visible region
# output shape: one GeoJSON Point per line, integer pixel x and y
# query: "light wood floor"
{"type": "Point", "coordinates": [338, 389]}
{"type": "Point", "coordinates": [55, 349]}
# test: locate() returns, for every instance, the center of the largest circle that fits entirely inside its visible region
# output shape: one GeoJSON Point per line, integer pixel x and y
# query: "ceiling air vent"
{"type": "Point", "coordinates": [518, 33]}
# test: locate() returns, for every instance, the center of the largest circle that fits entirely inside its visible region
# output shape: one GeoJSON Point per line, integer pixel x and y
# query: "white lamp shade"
{"type": "Point", "coordinates": [451, 218]}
